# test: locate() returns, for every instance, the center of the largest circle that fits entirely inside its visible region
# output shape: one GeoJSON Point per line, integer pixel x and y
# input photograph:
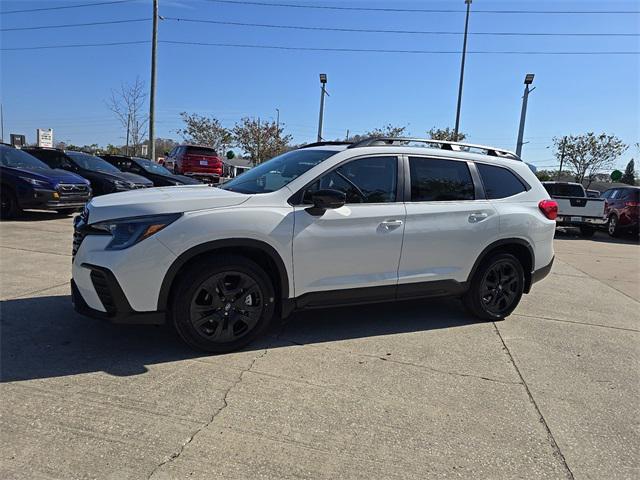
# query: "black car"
{"type": "Point", "coordinates": [159, 175]}
{"type": "Point", "coordinates": [28, 183]}
{"type": "Point", "coordinates": [104, 177]}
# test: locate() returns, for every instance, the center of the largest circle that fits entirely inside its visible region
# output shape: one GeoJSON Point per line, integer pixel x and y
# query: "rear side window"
{"type": "Point", "coordinates": [564, 190]}
{"type": "Point", "coordinates": [499, 182]}
{"type": "Point", "coordinates": [200, 151]}
{"type": "Point", "coordinates": [440, 180]}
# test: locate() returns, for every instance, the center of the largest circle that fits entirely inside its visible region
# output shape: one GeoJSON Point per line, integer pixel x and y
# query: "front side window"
{"type": "Point", "coordinates": [440, 180]}
{"type": "Point", "coordinates": [365, 180]}
{"type": "Point", "coordinates": [274, 174]}
{"type": "Point", "coordinates": [151, 167]}
{"type": "Point", "coordinates": [499, 182]}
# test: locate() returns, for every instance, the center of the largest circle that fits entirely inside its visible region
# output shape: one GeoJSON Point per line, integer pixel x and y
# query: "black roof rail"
{"type": "Point", "coordinates": [441, 144]}
{"type": "Point", "coordinates": [322, 144]}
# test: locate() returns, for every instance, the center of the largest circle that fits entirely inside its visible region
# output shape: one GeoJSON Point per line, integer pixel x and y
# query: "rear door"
{"type": "Point", "coordinates": [341, 254]}
{"type": "Point", "coordinates": [448, 224]}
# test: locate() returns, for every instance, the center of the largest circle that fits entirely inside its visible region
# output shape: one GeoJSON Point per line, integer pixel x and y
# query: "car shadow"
{"type": "Point", "coordinates": [600, 236]}
{"type": "Point", "coordinates": [42, 337]}
{"type": "Point", "coordinates": [40, 216]}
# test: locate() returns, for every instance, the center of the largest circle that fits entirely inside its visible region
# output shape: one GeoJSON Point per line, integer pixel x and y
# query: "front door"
{"type": "Point", "coordinates": [351, 253]}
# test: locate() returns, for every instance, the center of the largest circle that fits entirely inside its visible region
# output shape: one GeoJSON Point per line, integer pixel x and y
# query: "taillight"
{"type": "Point", "coordinates": [631, 204]}
{"type": "Point", "coordinates": [549, 208]}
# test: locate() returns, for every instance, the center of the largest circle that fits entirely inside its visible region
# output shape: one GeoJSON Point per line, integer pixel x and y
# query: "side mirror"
{"type": "Point", "coordinates": [326, 199]}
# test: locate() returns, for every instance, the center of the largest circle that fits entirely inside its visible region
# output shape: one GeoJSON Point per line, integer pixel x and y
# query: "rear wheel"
{"type": "Point", "coordinates": [9, 204]}
{"type": "Point", "coordinates": [496, 287]}
{"type": "Point", "coordinates": [587, 232]}
{"type": "Point", "coordinates": [612, 226]}
{"type": "Point", "coordinates": [223, 304]}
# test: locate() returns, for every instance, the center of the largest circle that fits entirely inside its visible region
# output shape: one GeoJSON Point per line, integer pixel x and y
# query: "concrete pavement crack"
{"type": "Point", "coordinates": [400, 362]}
{"type": "Point", "coordinates": [225, 404]}
{"type": "Point", "coordinates": [551, 319]}
{"type": "Point", "coordinates": [552, 441]}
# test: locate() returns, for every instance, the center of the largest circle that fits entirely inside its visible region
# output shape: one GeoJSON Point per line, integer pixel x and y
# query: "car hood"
{"type": "Point", "coordinates": [53, 176]}
{"type": "Point", "coordinates": [159, 200]}
{"type": "Point", "coordinates": [137, 179]}
{"type": "Point", "coordinates": [184, 179]}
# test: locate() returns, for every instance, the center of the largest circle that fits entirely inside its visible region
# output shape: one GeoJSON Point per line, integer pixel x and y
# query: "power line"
{"type": "Point", "coordinates": [422, 10]}
{"type": "Point", "coordinates": [419, 32]}
{"type": "Point", "coordinates": [61, 7]}
{"type": "Point", "coordinates": [43, 27]}
{"type": "Point", "coordinates": [322, 49]}
{"type": "Point", "coordinates": [75, 45]}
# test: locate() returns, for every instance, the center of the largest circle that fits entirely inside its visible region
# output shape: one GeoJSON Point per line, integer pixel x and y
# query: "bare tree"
{"type": "Point", "coordinates": [128, 103]}
{"type": "Point", "coordinates": [260, 140]}
{"type": "Point", "coordinates": [207, 131]}
{"type": "Point", "coordinates": [588, 154]}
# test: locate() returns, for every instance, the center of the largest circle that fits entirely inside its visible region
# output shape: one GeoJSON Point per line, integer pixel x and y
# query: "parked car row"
{"type": "Point", "coordinates": [617, 209]}
{"type": "Point", "coordinates": [64, 181]}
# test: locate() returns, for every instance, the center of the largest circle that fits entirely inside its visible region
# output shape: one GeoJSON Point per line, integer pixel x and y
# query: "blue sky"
{"type": "Point", "coordinates": [65, 89]}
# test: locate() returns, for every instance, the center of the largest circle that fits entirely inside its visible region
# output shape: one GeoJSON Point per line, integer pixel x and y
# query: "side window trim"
{"type": "Point", "coordinates": [476, 186]}
{"type": "Point", "coordinates": [296, 198]}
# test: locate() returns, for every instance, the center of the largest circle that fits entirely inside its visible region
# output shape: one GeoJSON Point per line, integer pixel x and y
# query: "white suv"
{"type": "Point", "coordinates": [325, 225]}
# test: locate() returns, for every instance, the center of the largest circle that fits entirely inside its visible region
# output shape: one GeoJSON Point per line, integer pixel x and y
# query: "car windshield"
{"type": "Point", "coordinates": [152, 167]}
{"type": "Point", "coordinates": [91, 162]}
{"type": "Point", "coordinates": [12, 157]}
{"type": "Point", "coordinates": [277, 172]}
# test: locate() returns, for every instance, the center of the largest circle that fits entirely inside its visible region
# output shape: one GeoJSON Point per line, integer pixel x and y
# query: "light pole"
{"type": "Point", "coordinates": [277, 118]}
{"type": "Point", "coordinates": [323, 91]}
{"type": "Point", "coordinates": [464, 55]}
{"type": "Point", "coordinates": [528, 80]}
{"type": "Point", "coordinates": [152, 93]}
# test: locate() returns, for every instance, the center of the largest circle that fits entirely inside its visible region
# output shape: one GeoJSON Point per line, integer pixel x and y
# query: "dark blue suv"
{"type": "Point", "coordinates": [27, 183]}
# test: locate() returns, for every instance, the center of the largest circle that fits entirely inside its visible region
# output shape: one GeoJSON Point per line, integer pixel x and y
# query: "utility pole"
{"type": "Point", "coordinates": [278, 119]}
{"type": "Point", "coordinates": [152, 95]}
{"type": "Point", "coordinates": [528, 80]}
{"type": "Point", "coordinates": [1, 124]}
{"type": "Point", "coordinates": [564, 142]}
{"type": "Point", "coordinates": [347, 139]}
{"type": "Point", "coordinates": [323, 91]}
{"type": "Point", "coordinates": [258, 153]}
{"type": "Point", "coordinates": [464, 55]}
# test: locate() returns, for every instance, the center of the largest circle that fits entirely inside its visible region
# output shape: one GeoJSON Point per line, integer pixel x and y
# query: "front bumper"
{"type": "Point", "coordinates": [52, 200]}
{"type": "Point", "coordinates": [117, 307]}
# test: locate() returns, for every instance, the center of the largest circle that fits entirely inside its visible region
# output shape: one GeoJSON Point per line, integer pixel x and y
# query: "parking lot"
{"type": "Point", "coordinates": [413, 390]}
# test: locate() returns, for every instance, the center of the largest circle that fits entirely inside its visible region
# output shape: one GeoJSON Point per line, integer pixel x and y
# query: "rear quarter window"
{"type": "Point", "coordinates": [499, 182]}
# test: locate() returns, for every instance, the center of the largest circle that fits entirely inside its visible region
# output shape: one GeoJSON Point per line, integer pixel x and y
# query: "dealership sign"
{"type": "Point", "coordinates": [45, 137]}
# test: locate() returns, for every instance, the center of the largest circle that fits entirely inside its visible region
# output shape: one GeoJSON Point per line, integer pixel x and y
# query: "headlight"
{"type": "Point", "coordinates": [129, 231]}
{"type": "Point", "coordinates": [122, 185]}
{"type": "Point", "coordinates": [37, 183]}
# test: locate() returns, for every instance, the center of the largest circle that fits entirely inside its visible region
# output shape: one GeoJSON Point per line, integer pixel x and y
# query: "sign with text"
{"type": "Point", "coordinates": [45, 137]}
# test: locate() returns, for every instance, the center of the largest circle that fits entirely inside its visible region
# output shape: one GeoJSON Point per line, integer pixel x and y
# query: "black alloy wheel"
{"type": "Point", "coordinates": [8, 204]}
{"type": "Point", "coordinates": [222, 303]}
{"type": "Point", "coordinates": [495, 288]}
{"type": "Point", "coordinates": [226, 306]}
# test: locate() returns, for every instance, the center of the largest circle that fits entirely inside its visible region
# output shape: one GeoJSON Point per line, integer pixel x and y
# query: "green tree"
{"type": "Point", "coordinates": [207, 131]}
{"type": "Point", "coordinates": [260, 140]}
{"type": "Point", "coordinates": [446, 134]}
{"type": "Point", "coordinates": [588, 154]}
{"type": "Point", "coordinates": [387, 130]}
{"type": "Point", "coordinates": [629, 176]}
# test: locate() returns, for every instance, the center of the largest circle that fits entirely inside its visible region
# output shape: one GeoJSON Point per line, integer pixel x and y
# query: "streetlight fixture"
{"type": "Point", "coordinates": [464, 55]}
{"type": "Point", "coordinates": [528, 80]}
{"type": "Point", "coordinates": [323, 92]}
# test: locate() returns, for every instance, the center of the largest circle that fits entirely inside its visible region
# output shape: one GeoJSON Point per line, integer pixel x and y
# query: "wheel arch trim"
{"type": "Point", "coordinates": [503, 243]}
{"type": "Point", "coordinates": [212, 247]}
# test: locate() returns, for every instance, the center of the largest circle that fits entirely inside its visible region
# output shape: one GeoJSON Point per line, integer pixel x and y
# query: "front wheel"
{"type": "Point", "coordinates": [496, 288]}
{"type": "Point", "coordinates": [10, 207]}
{"type": "Point", "coordinates": [223, 304]}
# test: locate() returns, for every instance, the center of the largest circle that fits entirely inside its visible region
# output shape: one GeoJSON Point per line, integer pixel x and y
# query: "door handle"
{"type": "Point", "coordinates": [389, 224]}
{"type": "Point", "coordinates": [477, 217]}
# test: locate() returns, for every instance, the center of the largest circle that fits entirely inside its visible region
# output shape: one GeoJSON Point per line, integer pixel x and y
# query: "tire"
{"type": "Point", "coordinates": [612, 226]}
{"type": "Point", "coordinates": [9, 208]}
{"type": "Point", "coordinates": [222, 304]}
{"type": "Point", "coordinates": [480, 301]}
{"type": "Point", "coordinates": [587, 232]}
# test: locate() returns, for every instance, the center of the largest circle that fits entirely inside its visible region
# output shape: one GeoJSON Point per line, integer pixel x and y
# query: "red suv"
{"type": "Point", "coordinates": [622, 209]}
{"type": "Point", "coordinates": [196, 161]}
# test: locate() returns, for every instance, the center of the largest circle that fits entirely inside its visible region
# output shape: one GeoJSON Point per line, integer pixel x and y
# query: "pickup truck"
{"type": "Point", "coordinates": [575, 208]}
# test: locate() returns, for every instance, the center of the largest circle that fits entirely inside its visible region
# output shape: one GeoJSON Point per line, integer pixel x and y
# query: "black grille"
{"type": "Point", "coordinates": [72, 190]}
{"type": "Point", "coordinates": [79, 230]}
{"type": "Point", "coordinates": [101, 287]}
